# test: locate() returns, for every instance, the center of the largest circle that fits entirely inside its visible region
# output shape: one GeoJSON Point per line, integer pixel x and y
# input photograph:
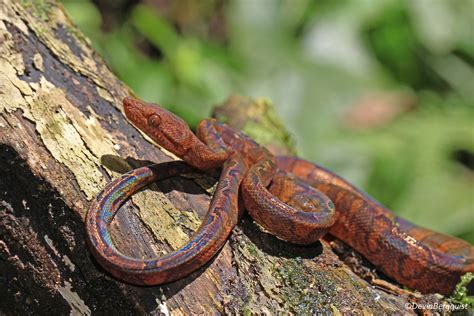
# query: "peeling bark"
{"type": "Point", "coordinates": [63, 136]}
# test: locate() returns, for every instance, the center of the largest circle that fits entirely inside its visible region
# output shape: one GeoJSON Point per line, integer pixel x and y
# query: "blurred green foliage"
{"type": "Point", "coordinates": [328, 66]}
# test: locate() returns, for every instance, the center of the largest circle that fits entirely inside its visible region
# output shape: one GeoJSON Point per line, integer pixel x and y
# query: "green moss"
{"type": "Point", "coordinates": [258, 119]}
{"type": "Point", "coordinates": [269, 129]}
{"type": "Point", "coordinates": [300, 293]}
{"type": "Point", "coordinates": [246, 311]}
{"type": "Point", "coordinates": [460, 295]}
{"type": "Point", "coordinates": [38, 8]}
{"type": "Point", "coordinates": [252, 249]}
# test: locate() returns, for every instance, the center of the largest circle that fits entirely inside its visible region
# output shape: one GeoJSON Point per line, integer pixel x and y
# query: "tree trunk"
{"type": "Point", "coordinates": [63, 136]}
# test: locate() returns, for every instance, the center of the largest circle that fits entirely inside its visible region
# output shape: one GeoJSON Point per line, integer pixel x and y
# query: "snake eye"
{"type": "Point", "coordinates": [154, 120]}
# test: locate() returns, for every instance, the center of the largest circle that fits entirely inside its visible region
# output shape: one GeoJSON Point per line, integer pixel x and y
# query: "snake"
{"type": "Point", "coordinates": [294, 199]}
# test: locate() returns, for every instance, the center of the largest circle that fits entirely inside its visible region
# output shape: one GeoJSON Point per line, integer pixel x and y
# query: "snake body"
{"type": "Point", "coordinates": [296, 200]}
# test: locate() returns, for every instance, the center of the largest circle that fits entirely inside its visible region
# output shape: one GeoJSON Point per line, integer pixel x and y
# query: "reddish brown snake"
{"type": "Point", "coordinates": [294, 199]}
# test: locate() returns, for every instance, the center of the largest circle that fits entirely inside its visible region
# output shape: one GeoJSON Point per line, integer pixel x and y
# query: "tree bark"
{"type": "Point", "coordinates": [63, 136]}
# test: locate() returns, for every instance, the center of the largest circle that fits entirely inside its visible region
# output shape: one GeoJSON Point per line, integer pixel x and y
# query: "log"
{"type": "Point", "coordinates": [63, 136]}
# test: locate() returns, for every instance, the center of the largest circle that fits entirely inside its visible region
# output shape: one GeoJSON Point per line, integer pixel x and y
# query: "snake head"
{"type": "Point", "coordinates": [165, 128]}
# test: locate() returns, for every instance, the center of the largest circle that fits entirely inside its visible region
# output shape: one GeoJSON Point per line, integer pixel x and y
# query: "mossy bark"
{"type": "Point", "coordinates": [63, 135]}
